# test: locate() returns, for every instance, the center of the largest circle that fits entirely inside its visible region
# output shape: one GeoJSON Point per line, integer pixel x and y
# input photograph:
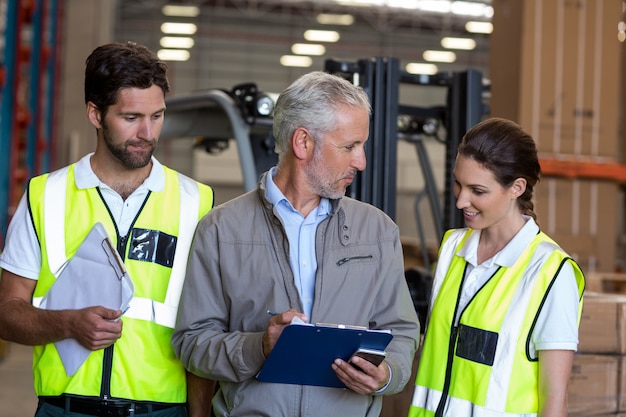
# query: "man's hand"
{"type": "Point", "coordinates": [275, 327]}
{"type": "Point", "coordinates": [365, 379]}
{"type": "Point", "coordinates": [20, 322]}
{"type": "Point", "coordinates": [96, 327]}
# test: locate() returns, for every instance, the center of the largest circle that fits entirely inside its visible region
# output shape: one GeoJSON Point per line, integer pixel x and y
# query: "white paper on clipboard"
{"type": "Point", "coordinates": [94, 276]}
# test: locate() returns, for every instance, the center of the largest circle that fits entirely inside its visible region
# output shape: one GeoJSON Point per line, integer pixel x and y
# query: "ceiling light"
{"type": "Point", "coordinates": [421, 68]}
{"type": "Point", "coordinates": [364, 3]}
{"type": "Point", "coordinates": [439, 6]}
{"type": "Point", "coordinates": [439, 56]}
{"type": "Point", "coordinates": [308, 49]}
{"type": "Point", "coordinates": [178, 28]}
{"type": "Point", "coordinates": [173, 54]}
{"type": "Point", "coordinates": [296, 61]}
{"type": "Point", "coordinates": [176, 42]}
{"type": "Point", "coordinates": [458, 43]}
{"type": "Point", "coordinates": [479, 27]}
{"type": "Point", "coordinates": [180, 11]}
{"type": "Point", "coordinates": [321, 35]}
{"type": "Point", "coordinates": [467, 8]}
{"type": "Point", "coordinates": [404, 4]}
{"type": "Point", "coordinates": [335, 19]}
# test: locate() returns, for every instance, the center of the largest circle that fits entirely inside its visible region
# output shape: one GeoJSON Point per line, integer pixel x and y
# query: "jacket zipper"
{"type": "Point", "coordinates": [353, 258]}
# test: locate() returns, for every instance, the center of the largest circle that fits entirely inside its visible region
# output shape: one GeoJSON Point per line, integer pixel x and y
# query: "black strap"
{"type": "Point", "coordinates": [101, 408]}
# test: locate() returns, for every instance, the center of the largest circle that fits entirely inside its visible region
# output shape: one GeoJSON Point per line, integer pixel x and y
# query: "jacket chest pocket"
{"type": "Point", "coordinates": [354, 259]}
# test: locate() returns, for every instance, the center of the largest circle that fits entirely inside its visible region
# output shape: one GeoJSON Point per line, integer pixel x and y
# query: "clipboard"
{"type": "Point", "coordinates": [304, 354]}
{"type": "Point", "coordinates": [95, 275]}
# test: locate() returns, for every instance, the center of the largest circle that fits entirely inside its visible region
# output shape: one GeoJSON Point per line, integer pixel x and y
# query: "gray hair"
{"type": "Point", "coordinates": [311, 102]}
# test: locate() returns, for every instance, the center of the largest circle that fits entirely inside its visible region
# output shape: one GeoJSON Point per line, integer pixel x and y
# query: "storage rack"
{"type": "Point", "coordinates": [28, 83]}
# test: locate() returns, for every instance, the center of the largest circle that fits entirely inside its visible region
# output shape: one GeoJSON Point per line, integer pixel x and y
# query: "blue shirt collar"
{"type": "Point", "coordinates": [277, 198]}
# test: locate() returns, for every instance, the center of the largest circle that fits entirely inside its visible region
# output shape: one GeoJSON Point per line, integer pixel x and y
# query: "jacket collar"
{"type": "Point", "coordinates": [336, 209]}
{"type": "Point", "coordinates": [335, 204]}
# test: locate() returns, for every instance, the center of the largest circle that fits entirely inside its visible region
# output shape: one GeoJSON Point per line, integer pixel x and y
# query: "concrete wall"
{"type": "Point", "coordinates": [86, 25]}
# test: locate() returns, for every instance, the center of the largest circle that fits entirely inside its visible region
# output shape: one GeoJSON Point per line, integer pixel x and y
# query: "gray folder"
{"type": "Point", "coordinates": [94, 276]}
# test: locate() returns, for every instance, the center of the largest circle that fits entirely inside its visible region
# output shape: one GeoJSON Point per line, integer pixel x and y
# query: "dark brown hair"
{"type": "Point", "coordinates": [504, 148]}
{"type": "Point", "coordinates": [115, 66]}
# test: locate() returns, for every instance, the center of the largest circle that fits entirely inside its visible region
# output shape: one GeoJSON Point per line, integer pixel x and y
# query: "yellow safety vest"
{"type": "Point", "coordinates": [482, 367]}
{"type": "Point", "coordinates": [141, 365]}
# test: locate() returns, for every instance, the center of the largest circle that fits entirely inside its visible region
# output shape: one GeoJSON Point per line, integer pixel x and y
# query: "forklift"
{"type": "Point", "coordinates": [244, 113]}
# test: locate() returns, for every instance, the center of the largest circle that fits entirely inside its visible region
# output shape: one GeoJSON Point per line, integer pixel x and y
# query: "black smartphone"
{"type": "Point", "coordinates": [373, 356]}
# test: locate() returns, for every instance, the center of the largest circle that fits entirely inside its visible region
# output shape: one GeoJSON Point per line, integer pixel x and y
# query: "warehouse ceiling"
{"type": "Point", "coordinates": [381, 17]}
{"type": "Point", "coordinates": [240, 40]}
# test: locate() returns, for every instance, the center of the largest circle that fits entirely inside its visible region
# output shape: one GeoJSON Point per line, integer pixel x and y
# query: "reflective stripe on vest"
{"type": "Point", "coordinates": [456, 406]}
{"type": "Point", "coordinates": [54, 218]}
{"type": "Point", "coordinates": [140, 308]}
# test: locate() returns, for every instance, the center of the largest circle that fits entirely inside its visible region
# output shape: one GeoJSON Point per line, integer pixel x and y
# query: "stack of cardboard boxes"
{"type": "Point", "coordinates": [598, 382]}
{"type": "Point", "coordinates": [556, 69]}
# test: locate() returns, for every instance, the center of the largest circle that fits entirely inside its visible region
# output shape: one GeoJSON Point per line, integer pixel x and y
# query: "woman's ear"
{"type": "Point", "coordinates": [519, 187]}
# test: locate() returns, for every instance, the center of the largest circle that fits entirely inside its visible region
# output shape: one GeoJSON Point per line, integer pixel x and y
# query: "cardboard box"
{"type": "Point", "coordinates": [593, 385]}
{"type": "Point", "coordinates": [606, 282]}
{"type": "Point", "coordinates": [574, 105]}
{"type": "Point", "coordinates": [581, 216]}
{"type": "Point", "coordinates": [555, 67]}
{"type": "Point", "coordinates": [603, 324]}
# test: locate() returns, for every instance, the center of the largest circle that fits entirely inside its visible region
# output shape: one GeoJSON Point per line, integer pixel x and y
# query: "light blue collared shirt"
{"type": "Point", "coordinates": [301, 235]}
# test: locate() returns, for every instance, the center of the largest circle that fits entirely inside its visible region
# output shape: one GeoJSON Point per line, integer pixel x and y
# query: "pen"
{"type": "Point", "coordinates": [271, 313]}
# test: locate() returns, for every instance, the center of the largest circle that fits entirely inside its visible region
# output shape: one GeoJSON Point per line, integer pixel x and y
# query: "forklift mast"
{"type": "Point", "coordinates": [381, 79]}
{"type": "Point", "coordinates": [243, 113]}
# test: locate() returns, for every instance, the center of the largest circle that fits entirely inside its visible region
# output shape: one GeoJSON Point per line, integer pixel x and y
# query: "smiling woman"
{"type": "Point", "coordinates": [506, 301]}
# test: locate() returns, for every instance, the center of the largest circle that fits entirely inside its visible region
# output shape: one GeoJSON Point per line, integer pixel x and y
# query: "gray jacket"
{"type": "Point", "coordinates": [239, 268]}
